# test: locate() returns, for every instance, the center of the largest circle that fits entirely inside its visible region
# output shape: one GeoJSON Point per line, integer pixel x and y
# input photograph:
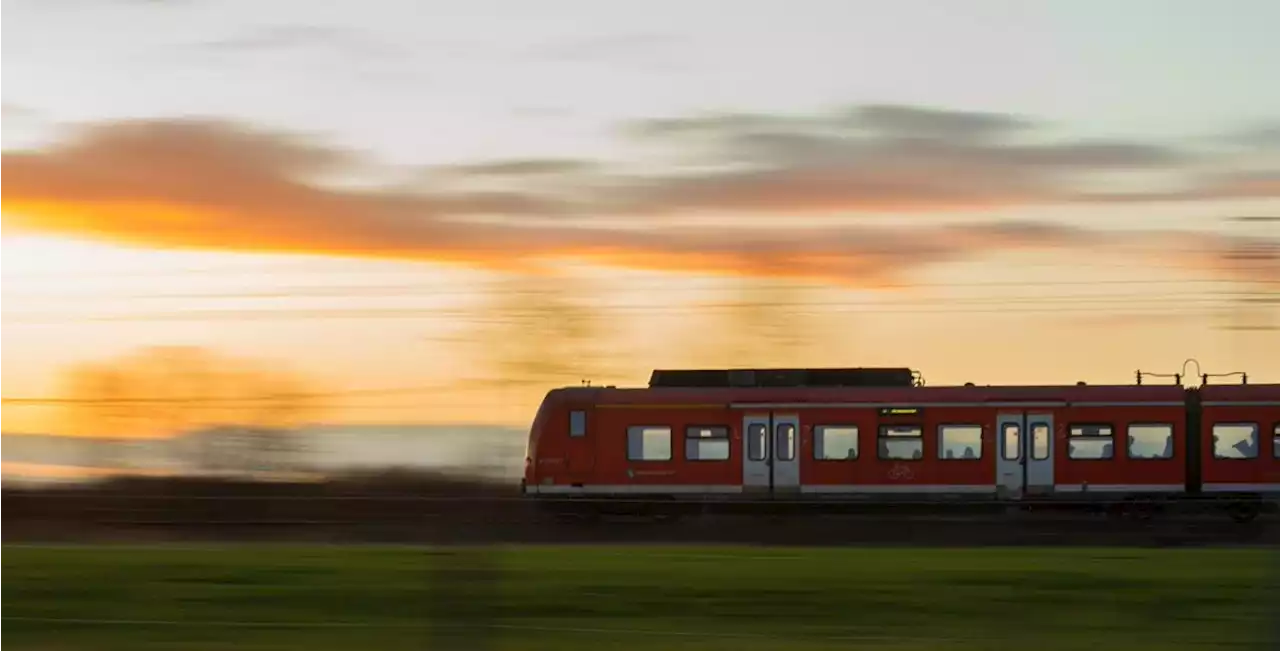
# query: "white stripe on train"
{"type": "Point", "coordinates": [689, 489]}
{"type": "Point", "coordinates": [1010, 405]}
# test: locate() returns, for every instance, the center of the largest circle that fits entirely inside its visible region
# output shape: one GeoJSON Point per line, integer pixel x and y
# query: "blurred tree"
{"type": "Point", "coordinates": [535, 331]}
{"type": "Point", "coordinates": [102, 411]}
{"type": "Point", "coordinates": [246, 411]}
{"type": "Point", "coordinates": [763, 323]}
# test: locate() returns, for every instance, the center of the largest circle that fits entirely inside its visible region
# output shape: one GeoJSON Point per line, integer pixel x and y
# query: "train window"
{"type": "Point", "coordinates": [959, 442]}
{"type": "Point", "coordinates": [1275, 441]}
{"type": "Point", "coordinates": [784, 445]}
{"type": "Point", "coordinates": [1090, 441]}
{"type": "Point", "coordinates": [1041, 440]}
{"type": "Point", "coordinates": [577, 423]}
{"type": "Point", "coordinates": [835, 442]}
{"type": "Point", "coordinates": [1235, 441]}
{"type": "Point", "coordinates": [649, 443]}
{"type": "Point", "coordinates": [1011, 436]}
{"type": "Point", "coordinates": [1151, 441]}
{"type": "Point", "coordinates": [706, 443]}
{"type": "Point", "coordinates": [757, 441]}
{"type": "Point", "coordinates": [904, 442]}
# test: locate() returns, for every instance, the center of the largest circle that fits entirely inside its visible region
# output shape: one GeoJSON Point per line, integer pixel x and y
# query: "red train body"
{"type": "Point", "coordinates": [876, 443]}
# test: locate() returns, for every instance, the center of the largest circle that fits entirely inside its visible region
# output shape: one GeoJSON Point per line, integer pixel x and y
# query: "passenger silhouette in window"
{"type": "Point", "coordinates": [917, 454]}
{"type": "Point", "coordinates": [968, 453]}
{"type": "Point", "coordinates": [951, 454]}
{"type": "Point", "coordinates": [1245, 447]}
{"type": "Point", "coordinates": [1106, 451]}
{"type": "Point", "coordinates": [1168, 448]}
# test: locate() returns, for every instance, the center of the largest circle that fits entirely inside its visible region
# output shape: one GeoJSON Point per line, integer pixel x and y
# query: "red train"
{"type": "Point", "coordinates": [875, 435]}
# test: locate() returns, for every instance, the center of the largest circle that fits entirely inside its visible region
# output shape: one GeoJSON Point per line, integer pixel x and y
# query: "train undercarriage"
{"type": "Point", "coordinates": [1235, 507]}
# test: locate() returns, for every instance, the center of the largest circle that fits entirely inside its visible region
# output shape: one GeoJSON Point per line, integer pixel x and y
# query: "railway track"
{"type": "Point", "coordinates": [88, 517]}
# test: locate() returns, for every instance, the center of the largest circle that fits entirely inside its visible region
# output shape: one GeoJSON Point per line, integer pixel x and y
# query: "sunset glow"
{"type": "Point", "coordinates": [548, 210]}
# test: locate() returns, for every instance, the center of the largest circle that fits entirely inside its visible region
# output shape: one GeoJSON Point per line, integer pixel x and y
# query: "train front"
{"type": "Point", "coordinates": [540, 419]}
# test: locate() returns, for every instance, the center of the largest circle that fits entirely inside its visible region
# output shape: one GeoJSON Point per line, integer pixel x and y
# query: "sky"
{"type": "Point", "coordinates": [434, 212]}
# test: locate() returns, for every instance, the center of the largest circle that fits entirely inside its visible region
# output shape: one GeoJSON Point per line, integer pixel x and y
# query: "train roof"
{"type": "Point", "coordinates": [782, 377]}
{"type": "Point", "coordinates": [894, 385]}
{"type": "Point", "coordinates": [888, 395]}
{"type": "Point", "coordinates": [1240, 392]}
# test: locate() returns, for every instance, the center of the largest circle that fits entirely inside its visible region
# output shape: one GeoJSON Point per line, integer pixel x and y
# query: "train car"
{"type": "Point", "coordinates": [1240, 457]}
{"type": "Point", "coordinates": [876, 435]}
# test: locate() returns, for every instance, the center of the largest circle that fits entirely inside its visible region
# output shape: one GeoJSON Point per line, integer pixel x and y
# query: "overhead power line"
{"type": "Point", "coordinates": [1257, 312]}
{"type": "Point", "coordinates": [426, 291]}
{"type": "Point", "coordinates": [1068, 303]}
{"type": "Point", "coordinates": [392, 314]}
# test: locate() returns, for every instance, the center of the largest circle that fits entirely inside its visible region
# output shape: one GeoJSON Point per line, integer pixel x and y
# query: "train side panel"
{"type": "Point", "coordinates": [581, 445]}
{"type": "Point", "coordinates": [935, 450]}
{"type": "Point", "coordinates": [1240, 427]}
{"type": "Point", "coordinates": [1128, 448]}
{"type": "Point", "coordinates": [668, 449]}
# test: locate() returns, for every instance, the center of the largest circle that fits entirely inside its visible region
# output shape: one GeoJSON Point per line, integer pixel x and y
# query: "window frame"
{"type": "Point", "coordinates": [1031, 443]}
{"type": "Point", "coordinates": [880, 436]}
{"type": "Point", "coordinates": [1275, 440]}
{"type": "Point", "coordinates": [793, 449]}
{"type": "Point", "coordinates": [1004, 441]}
{"type": "Point", "coordinates": [1257, 435]}
{"type": "Point", "coordinates": [583, 414]}
{"type": "Point", "coordinates": [670, 448]}
{"type": "Point", "coordinates": [1073, 437]}
{"type": "Point", "coordinates": [857, 442]}
{"type": "Point", "coordinates": [727, 437]}
{"type": "Point", "coordinates": [764, 448]}
{"type": "Point", "coordinates": [941, 447]}
{"type": "Point", "coordinates": [1128, 447]}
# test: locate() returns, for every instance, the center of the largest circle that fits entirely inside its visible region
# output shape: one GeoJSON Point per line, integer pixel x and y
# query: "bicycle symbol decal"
{"type": "Point", "coordinates": [901, 472]}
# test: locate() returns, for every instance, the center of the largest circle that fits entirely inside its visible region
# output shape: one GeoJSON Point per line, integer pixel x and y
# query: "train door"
{"type": "Point", "coordinates": [786, 453]}
{"type": "Point", "coordinates": [771, 459]}
{"type": "Point", "coordinates": [757, 472]}
{"type": "Point", "coordinates": [1024, 453]}
{"type": "Point", "coordinates": [581, 449]}
{"type": "Point", "coordinates": [1039, 453]}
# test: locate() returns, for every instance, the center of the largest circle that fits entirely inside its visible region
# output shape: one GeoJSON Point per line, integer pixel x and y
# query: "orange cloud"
{"type": "Point", "coordinates": [220, 186]}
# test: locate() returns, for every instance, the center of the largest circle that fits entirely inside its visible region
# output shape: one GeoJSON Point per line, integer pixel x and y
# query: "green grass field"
{"type": "Point", "coordinates": [564, 598]}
